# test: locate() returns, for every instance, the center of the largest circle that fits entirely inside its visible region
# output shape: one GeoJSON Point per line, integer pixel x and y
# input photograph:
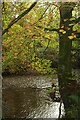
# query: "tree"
{"type": "Point", "coordinates": [66, 35]}
{"type": "Point", "coordinates": [68, 87]}
{"type": "Point", "coordinates": [64, 65]}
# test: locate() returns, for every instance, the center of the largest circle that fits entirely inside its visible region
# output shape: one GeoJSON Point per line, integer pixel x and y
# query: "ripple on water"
{"type": "Point", "coordinates": [28, 101]}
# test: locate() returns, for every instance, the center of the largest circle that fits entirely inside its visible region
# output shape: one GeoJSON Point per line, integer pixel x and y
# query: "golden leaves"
{"type": "Point", "coordinates": [62, 31]}
{"type": "Point", "coordinates": [72, 36]}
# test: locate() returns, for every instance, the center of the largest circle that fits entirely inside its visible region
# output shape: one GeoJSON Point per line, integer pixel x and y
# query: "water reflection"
{"type": "Point", "coordinates": [28, 102]}
{"type": "Point", "coordinates": [19, 102]}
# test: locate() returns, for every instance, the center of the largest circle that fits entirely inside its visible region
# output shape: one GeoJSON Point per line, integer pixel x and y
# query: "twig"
{"type": "Point", "coordinates": [18, 18]}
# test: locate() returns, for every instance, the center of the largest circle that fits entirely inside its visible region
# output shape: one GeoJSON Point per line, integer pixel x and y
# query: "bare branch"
{"type": "Point", "coordinates": [49, 29]}
{"type": "Point", "coordinates": [44, 12]}
{"type": "Point", "coordinates": [52, 29]}
{"type": "Point", "coordinates": [18, 18]}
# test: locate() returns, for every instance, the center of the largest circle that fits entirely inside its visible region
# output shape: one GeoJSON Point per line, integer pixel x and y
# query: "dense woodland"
{"type": "Point", "coordinates": [43, 38]}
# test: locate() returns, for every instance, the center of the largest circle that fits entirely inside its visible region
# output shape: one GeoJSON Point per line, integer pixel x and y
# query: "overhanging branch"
{"type": "Point", "coordinates": [18, 18]}
{"type": "Point", "coordinates": [52, 29]}
{"type": "Point", "coordinates": [49, 29]}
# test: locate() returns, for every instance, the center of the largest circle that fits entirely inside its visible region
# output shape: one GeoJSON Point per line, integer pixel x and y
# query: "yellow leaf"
{"type": "Point", "coordinates": [61, 30]}
{"type": "Point", "coordinates": [72, 19]}
{"type": "Point", "coordinates": [74, 36]}
{"type": "Point", "coordinates": [64, 32]}
{"type": "Point", "coordinates": [70, 37]}
{"type": "Point", "coordinates": [70, 24]}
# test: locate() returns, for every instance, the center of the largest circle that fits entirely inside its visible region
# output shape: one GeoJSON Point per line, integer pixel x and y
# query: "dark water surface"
{"type": "Point", "coordinates": [26, 96]}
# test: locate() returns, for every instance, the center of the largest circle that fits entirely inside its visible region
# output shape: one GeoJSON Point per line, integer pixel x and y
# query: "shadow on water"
{"type": "Point", "coordinates": [28, 102]}
{"type": "Point", "coordinates": [19, 102]}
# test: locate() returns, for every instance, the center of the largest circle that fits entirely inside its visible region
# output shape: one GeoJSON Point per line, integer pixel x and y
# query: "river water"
{"type": "Point", "coordinates": [26, 97]}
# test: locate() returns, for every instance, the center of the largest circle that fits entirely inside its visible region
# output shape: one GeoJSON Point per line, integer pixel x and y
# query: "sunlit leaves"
{"type": "Point", "coordinates": [71, 24]}
{"type": "Point", "coordinates": [62, 31]}
{"type": "Point", "coordinates": [72, 36]}
{"type": "Point", "coordinates": [25, 38]}
{"type": "Point", "coordinates": [71, 19]}
{"type": "Point", "coordinates": [42, 66]}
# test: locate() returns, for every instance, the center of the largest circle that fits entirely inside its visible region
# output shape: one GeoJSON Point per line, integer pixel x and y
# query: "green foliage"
{"type": "Point", "coordinates": [24, 39]}
{"type": "Point", "coordinates": [73, 110]}
{"type": "Point", "coordinates": [73, 113]}
{"type": "Point", "coordinates": [42, 66]}
{"type": "Point", "coordinates": [75, 99]}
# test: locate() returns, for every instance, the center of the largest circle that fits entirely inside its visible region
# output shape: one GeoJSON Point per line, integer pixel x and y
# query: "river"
{"type": "Point", "coordinates": [26, 97]}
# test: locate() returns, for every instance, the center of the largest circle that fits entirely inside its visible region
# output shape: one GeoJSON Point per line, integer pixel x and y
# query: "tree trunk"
{"type": "Point", "coordinates": [64, 64]}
